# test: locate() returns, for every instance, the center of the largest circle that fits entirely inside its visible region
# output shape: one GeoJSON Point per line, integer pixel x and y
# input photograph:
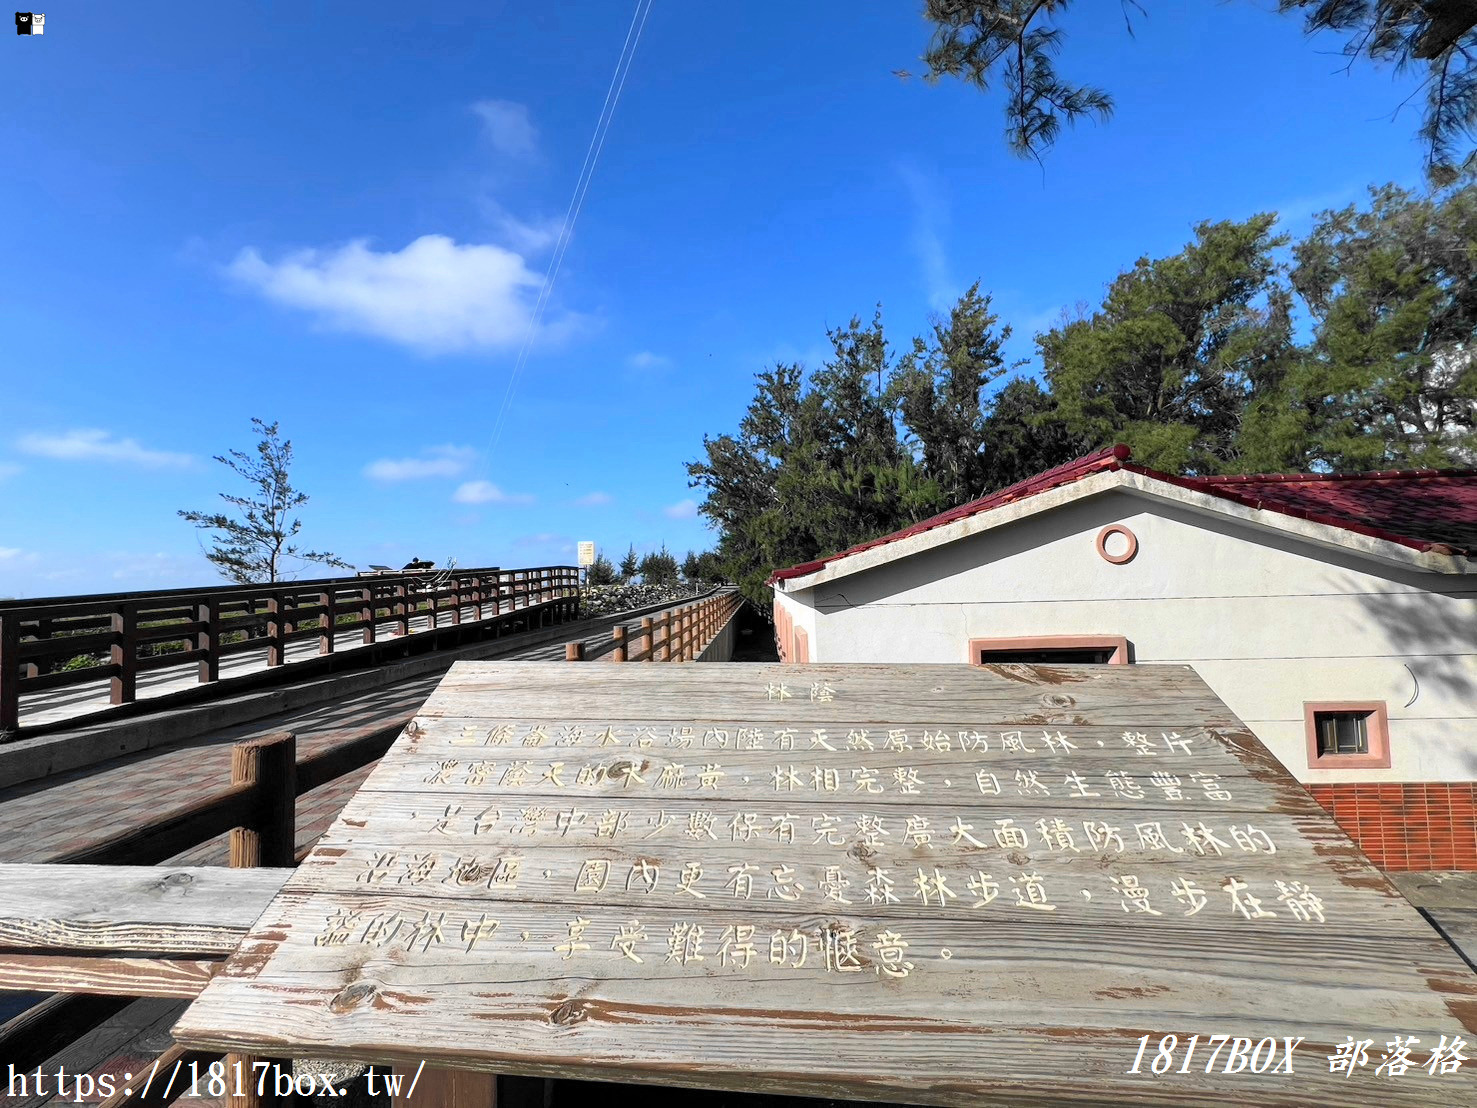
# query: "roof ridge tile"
{"type": "Point", "coordinates": [1446, 523]}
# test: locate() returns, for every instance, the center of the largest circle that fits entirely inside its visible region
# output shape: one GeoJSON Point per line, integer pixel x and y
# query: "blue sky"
{"type": "Point", "coordinates": [339, 216]}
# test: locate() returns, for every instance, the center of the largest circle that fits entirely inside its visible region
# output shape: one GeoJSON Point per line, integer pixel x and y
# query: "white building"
{"type": "Point", "coordinates": [1336, 615]}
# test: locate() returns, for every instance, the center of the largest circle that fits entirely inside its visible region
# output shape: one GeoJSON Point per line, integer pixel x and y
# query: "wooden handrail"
{"type": "Point", "coordinates": [260, 800]}
{"type": "Point", "coordinates": [354, 750]}
{"type": "Point", "coordinates": [678, 634]}
{"type": "Point", "coordinates": [259, 811]}
{"type": "Point", "coordinates": [204, 625]}
{"type": "Point", "coordinates": [183, 596]}
{"type": "Point", "coordinates": [152, 843]}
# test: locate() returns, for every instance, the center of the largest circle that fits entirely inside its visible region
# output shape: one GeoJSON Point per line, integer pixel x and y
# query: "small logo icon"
{"type": "Point", "coordinates": [30, 23]}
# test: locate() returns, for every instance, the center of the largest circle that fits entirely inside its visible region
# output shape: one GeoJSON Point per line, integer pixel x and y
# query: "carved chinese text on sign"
{"type": "Point", "coordinates": [691, 870]}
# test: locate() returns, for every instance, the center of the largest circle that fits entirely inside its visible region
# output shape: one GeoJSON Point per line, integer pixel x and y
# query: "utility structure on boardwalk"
{"type": "Point", "coordinates": [921, 883]}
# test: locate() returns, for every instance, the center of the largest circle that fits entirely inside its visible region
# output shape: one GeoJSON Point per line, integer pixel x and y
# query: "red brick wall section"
{"type": "Point", "coordinates": [1408, 826]}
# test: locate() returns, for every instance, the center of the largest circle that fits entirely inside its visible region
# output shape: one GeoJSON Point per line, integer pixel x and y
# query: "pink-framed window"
{"type": "Point", "coordinates": [1109, 650]}
{"type": "Point", "coordinates": [1347, 734]}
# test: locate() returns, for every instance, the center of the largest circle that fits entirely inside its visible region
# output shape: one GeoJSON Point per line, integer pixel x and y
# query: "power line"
{"type": "Point", "coordinates": [576, 203]}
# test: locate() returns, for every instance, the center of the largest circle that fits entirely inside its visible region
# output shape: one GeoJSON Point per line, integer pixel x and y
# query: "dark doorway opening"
{"type": "Point", "coordinates": [1094, 656]}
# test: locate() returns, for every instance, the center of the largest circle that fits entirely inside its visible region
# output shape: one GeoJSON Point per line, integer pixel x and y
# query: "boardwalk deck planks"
{"type": "Point", "coordinates": [929, 884]}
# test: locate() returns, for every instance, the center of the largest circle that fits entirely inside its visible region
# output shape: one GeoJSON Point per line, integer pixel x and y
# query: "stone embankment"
{"type": "Point", "coordinates": [600, 600]}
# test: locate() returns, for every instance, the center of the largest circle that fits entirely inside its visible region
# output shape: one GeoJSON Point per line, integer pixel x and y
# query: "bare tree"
{"type": "Point", "coordinates": [250, 544]}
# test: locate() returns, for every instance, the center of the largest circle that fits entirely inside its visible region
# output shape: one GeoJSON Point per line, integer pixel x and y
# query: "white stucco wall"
{"type": "Point", "coordinates": [1269, 621]}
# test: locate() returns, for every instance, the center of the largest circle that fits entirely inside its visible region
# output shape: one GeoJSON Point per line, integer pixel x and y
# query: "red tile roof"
{"type": "Point", "coordinates": [1426, 509]}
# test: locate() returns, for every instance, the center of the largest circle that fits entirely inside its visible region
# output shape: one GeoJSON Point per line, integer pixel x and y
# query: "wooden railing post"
{"type": "Point", "coordinates": [269, 765]}
{"type": "Point", "coordinates": [647, 649]}
{"type": "Point", "coordinates": [10, 674]}
{"type": "Point", "coordinates": [456, 601]}
{"type": "Point", "coordinates": [401, 608]}
{"type": "Point", "coordinates": [619, 653]}
{"type": "Point", "coordinates": [664, 627]}
{"type": "Point", "coordinates": [327, 599]}
{"type": "Point", "coordinates": [40, 665]}
{"type": "Point", "coordinates": [207, 639]}
{"type": "Point", "coordinates": [276, 644]}
{"type": "Point", "coordinates": [574, 652]}
{"type": "Point", "coordinates": [366, 613]}
{"type": "Point", "coordinates": [123, 654]}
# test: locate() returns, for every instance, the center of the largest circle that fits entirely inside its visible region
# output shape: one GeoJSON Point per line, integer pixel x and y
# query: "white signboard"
{"type": "Point", "coordinates": [587, 553]}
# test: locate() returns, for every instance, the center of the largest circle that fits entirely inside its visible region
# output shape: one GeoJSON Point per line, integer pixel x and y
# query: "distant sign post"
{"type": "Point", "coordinates": [924, 883]}
{"type": "Point", "coordinates": [586, 554]}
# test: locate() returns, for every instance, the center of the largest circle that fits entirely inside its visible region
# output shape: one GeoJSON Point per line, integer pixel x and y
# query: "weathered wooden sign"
{"type": "Point", "coordinates": [930, 884]}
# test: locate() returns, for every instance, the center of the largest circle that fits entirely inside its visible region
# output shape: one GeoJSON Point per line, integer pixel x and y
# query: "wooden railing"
{"type": "Point", "coordinates": [91, 962]}
{"type": "Point", "coordinates": [677, 635]}
{"type": "Point", "coordinates": [145, 631]}
{"type": "Point", "coordinates": [257, 808]}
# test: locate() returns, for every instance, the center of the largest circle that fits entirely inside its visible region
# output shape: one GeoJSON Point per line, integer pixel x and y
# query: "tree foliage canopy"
{"type": "Point", "coordinates": [601, 572]}
{"type": "Point", "coordinates": [1388, 380]}
{"type": "Point", "coordinates": [1014, 44]}
{"type": "Point", "coordinates": [1351, 351]}
{"type": "Point", "coordinates": [658, 567]}
{"type": "Point", "coordinates": [629, 564]}
{"type": "Point", "coordinates": [1178, 345]}
{"type": "Point", "coordinates": [251, 543]}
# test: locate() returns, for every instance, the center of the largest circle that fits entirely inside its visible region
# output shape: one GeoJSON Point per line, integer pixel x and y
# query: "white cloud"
{"type": "Point", "coordinates": [522, 235]}
{"type": "Point", "coordinates": [438, 461]}
{"type": "Point", "coordinates": [507, 126]}
{"type": "Point", "coordinates": [1296, 214]}
{"type": "Point", "coordinates": [594, 499]}
{"type": "Point", "coordinates": [645, 359]}
{"type": "Point", "coordinates": [92, 445]}
{"type": "Point", "coordinates": [529, 238]}
{"type": "Point", "coordinates": [435, 295]}
{"type": "Point", "coordinates": [683, 509]}
{"type": "Point", "coordinates": [155, 568]}
{"type": "Point", "coordinates": [9, 552]}
{"type": "Point", "coordinates": [545, 539]}
{"type": "Point", "coordinates": [9, 469]}
{"type": "Point", "coordinates": [930, 227]}
{"type": "Point", "coordinates": [485, 492]}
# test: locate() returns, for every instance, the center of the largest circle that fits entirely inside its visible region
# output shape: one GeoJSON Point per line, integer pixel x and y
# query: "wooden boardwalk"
{"type": "Point", "coordinates": [205, 631]}
{"type": "Point", "coordinates": [72, 702]}
{"type": "Point", "coordinates": [44, 819]}
{"type": "Point", "coordinates": [56, 816]}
